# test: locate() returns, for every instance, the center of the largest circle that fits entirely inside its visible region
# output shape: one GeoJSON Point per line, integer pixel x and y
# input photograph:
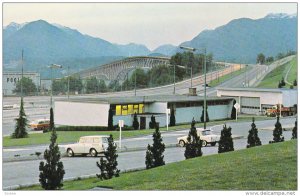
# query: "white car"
{"type": "Point", "coordinates": [92, 145]}
{"type": "Point", "coordinates": [206, 135]}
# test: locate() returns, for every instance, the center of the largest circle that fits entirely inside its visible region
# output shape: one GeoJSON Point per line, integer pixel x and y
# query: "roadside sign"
{"type": "Point", "coordinates": [237, 106]}
{"type": "Point", "coordinates": [168, 111]}
{"type": "Point", "coordinates": [121, 123]}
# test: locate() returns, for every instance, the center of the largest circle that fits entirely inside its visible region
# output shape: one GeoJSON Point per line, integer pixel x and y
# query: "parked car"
{"type": "Point", "coordinates": [92, 145]}
{"type": "Point", "coordinates": [206, 135]}
{"type": "Point", "coordinates": [40, 124]}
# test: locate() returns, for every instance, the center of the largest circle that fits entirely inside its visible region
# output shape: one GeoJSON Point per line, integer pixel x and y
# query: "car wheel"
{"type": "Point", "coordinates": [70, 153]}
{"type": "Point", "coordinates": [204, 143]}
{"type": "Point", "coordinates": [213, 143]}
{"type": "Point", "coordinates": [93, 152]}
{"type": "Point", "coordinates": [181, 143]}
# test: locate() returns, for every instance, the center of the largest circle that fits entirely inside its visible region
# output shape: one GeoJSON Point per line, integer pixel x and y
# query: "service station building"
{"type": "Point", "coordinates": [94, 111]}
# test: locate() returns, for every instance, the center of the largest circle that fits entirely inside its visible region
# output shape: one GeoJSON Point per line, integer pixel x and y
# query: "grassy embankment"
{"type": "Point", "coordinates": [224, 78]}
{"type": "Point", "coordinates": [73, 136]}
{"type": "Point", "coordinates": [268, 167]}
{"type": "Point", "coordinates": [272, 79]}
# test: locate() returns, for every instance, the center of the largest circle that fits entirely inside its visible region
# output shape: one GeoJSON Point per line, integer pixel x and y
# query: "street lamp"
{"type": "Point", "coordinates": [135, 80]}
{"type": "Point", "coordinates": [68, 82]}
{"type": "Point", "coordinates": [52, 66]}
{"type": "Point", "coordinates": [22, 76]}
{"type": "Point", "coordinates": [183, 67]}
{"type": "Point", "coordinates": [193, 50]}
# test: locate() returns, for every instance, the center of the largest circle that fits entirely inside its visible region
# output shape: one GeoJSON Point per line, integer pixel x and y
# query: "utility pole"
{"type": "Point", "coordinates": [22, 75]}
{"type": "Point", "coordinates": [68, 82]}
{"type": "Point", "coordinates": [174, 81]}
{"type": "Point", "coordinates": [194, 49]}
{"type": "Point", "coordinates": [205, 88]}
{"type": "Point", "coordinates": [135, 80]}
{"type": "Point", "coordinates": [51, 67]}
{"type": "Point", "coordinates": [191, 76]}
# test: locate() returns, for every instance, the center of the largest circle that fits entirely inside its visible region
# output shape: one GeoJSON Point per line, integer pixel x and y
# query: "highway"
{"type": "Point", "coordinates": [38, 106]}
{"type": "Point", "coordinates": [26, 172]}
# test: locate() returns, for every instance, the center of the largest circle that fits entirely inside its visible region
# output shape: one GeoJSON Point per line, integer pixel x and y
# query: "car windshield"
{"type": "Point", "coordinates": [206, 132]}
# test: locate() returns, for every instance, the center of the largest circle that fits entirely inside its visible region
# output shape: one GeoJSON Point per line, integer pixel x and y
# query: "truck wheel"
{"type": "Point", "coordinates": [213, 143]}
{"type": "Point", "coordinates": [181, 143]}
{"type": "Point", "coordinates": [204, 143]}
{"type": "Point", "coordinates": [93, 152]}
{"type": "Point", "coordinates": [70, 153]}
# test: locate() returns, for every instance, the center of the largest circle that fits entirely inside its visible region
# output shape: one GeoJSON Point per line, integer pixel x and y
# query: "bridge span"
{"type": "Point", "coordinates": [117, 70]}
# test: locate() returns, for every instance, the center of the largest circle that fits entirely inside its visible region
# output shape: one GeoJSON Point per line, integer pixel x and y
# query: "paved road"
{"type": "Point", "coordinates": [38, 106]}
{"type": "Point", "coordinates": [26, 172]}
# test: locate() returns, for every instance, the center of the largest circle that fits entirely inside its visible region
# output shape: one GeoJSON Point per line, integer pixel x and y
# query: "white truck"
{"type": "Point", "coordinates": [206, 135]}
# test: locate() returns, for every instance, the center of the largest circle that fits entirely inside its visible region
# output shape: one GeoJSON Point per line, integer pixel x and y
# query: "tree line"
{"type": "Point", "coordinates": [262, 59]}
{"type": "Point", "coordinates": [180, 67]}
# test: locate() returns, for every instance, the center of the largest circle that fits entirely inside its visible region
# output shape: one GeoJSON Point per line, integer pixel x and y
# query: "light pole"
{"type": "Point", "coordinates": [22, 76]}
{"type": "Point", "coordinates": [193, 50]}
{"type": "Point", "coordinates": [135, 80]}
{"type": "Point", "coordinates": [191, 69]}
{"type": "Point", "coordinates": [68, 82]}
{"type": "Point", "coordinates": [51, 67]}
{"type": "Point", "coordinates": [174, 81]}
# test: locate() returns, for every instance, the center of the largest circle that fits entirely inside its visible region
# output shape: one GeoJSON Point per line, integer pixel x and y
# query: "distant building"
{"type": "Point", "coordinates": [257, 100]}
{"type": "Point", "coordinates": [10, 79]}
{"type": "Point", "coordinates": [94, 111]}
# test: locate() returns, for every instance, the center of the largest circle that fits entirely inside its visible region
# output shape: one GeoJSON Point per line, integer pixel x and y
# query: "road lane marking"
{"type": "Point", "coordinates": [173, 134]}
{"type": "Point", "coordinates": [136, 139]}
{"type": "Point", "coordinates": [14, 149]}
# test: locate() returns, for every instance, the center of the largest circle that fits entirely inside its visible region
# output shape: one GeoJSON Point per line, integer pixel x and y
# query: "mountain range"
{"type": "Point", "coordinates": [238, 41]}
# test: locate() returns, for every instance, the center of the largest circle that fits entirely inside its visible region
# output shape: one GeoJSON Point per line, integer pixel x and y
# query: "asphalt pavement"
{"type": "Point", "coordinates": [23, 173]}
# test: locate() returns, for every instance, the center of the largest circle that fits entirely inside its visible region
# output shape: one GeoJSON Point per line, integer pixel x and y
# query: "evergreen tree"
{"type": "Point", "coordinates": [154, 154]}
{"type": "Point", "coordinates": [52, 172]}
{"type": "Point", "coordinates": [51, 127]}
{"type": "Point", "coordinates": [282, 82]}
{"type": "Point", "coordinates": [172, 118]}
{"type": "Point", "coordinates": [253, 139]}
{"type": "Point", "coordinates": [277, 132]}
{"type": "Point", "coordinates": [152, 123]}
{"type": "Point", "coordinates": [294, 132]}
{"type": "Point", "coordinates": [194, 144]}
{"type": "Point", "coordinates": [135, 123]}
{"type": "Point", "coordinates": [92, 85]}
{"type": "Point", "coordinates": [202, 115]}
{"type": "Point", "coordinates": [225, 143]}
{"type": "Point", "coordinates": [279, 84]}
{"type": "Point", "coordinates": [21, 123]}
{"type": "Point", "coordinates": [108, 167]}
{"type": "Point", "coordinates": [149, 158]}
{"type": "Point", "coordinates": [110, 119]}
{"type": "Point", "coordinates": [295, 82]}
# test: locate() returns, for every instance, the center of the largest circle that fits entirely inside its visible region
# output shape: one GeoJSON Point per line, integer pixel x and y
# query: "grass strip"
{"type": "Point", "coordinates": [272, 79]}
{"type": "Point", "coordinates": [268, 167]}
{"type": "Point", "coordinates": [226, 77]}
{"type": "Point", "coordinates": [73, 136]}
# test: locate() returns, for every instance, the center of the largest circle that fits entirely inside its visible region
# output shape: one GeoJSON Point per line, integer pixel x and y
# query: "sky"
{"type": "Point", "coordinates": [150, 24]}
